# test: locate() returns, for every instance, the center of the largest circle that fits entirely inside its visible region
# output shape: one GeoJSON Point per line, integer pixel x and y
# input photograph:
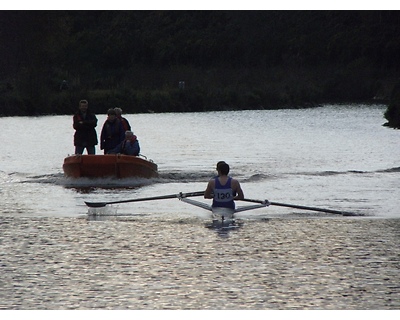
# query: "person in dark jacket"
{"type": "Point", "coordinates": [84, 123]}
{"type": "Point", "coordinates": [112, 133]}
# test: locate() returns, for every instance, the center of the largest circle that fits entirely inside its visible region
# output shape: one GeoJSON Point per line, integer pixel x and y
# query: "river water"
{"type": "Point", "coordinates": [55, 253]}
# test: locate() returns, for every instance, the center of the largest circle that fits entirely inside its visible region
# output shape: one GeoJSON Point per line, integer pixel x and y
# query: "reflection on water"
{"type": "Point", "coordinates": [122, 263]}
{"type": "Point", "coordinates": [56, 253]}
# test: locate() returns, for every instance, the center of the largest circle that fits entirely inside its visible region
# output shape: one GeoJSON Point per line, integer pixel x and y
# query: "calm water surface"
{"type": "Point", "coordinates": [55, 253]}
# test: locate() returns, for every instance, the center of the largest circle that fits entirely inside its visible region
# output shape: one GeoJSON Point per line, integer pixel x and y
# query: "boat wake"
{"type": "Point", "coordinates": [184, 176]}
{"type": "Point", "coordinates": [397, 169]}
{"type": "Point", "coordinates": [164, 177]}
{"type": "Point", "coordinates": [256, 177]}
{"type": "Point", "coordinates": [334, 173]}
{"type": "Point", "coordinates": [88, 183]}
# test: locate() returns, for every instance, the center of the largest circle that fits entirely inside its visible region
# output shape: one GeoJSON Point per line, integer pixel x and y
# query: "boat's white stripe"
{"type": "Point", "coordinates": [197, 203]}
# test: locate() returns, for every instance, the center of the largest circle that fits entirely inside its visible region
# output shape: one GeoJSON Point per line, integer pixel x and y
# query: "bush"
{"type": "Point", "coordinates": [392, 113]}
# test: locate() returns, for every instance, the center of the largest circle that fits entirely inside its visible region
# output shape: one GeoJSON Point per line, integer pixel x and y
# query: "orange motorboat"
{"type": "Point", "coordinates": [109, 165]}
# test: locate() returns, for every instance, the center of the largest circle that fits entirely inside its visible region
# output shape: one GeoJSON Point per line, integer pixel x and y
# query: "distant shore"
{"type": "Point", "coordinates": [196, 90]}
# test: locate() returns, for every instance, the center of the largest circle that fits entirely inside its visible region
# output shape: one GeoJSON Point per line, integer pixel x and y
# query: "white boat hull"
{"type": "Point", "coordinates": [222, 216]}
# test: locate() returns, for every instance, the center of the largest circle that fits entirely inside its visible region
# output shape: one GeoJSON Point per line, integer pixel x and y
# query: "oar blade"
{"type": "Point", "coordinates": [96, 204]}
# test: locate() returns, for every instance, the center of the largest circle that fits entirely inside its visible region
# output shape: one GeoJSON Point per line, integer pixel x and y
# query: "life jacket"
{"type": "Point", "coordinates": [125, 124]}
{"type": "Point", "coordinates": [132, 140]}
{"type": "Point", "coordinates": [79, 117]}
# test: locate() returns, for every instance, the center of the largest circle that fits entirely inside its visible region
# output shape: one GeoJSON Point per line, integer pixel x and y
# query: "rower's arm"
{"type": "Point", "coordinates": [209, 193]}
{"type": "Point", "coordinates": [239, 191]}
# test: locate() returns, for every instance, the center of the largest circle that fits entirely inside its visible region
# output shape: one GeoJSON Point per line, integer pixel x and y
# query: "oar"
{"type": "Point", "coordinates": [345, 213]}
{"type": "Point", "coordinates": [170, 196]}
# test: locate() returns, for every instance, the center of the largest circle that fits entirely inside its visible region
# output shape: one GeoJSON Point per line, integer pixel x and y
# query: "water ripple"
{"type": "Point", "coordinates": [69, 263]}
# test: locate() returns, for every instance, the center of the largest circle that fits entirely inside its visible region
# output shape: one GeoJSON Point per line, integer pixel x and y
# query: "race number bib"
{"type": "Point", "coordinates": [223, 195]}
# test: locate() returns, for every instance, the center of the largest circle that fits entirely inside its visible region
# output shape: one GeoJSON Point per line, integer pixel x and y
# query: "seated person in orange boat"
{"type": "Point", "coordinates": [130, 145]}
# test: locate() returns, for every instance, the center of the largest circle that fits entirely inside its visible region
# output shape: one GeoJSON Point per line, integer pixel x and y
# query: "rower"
{"type": "Point", "coordinates": [223, 189]}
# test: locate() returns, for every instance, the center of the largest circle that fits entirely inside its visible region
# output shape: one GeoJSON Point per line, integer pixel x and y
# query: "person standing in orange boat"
{"type": "Point", "coordinates": [84, 123]}
{"type": "Point", "coordinates": [112, 133]}
{"type": "Point", "coordinates": [124, 121]}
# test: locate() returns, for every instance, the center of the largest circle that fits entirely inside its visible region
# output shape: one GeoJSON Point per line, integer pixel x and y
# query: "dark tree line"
{"type": "Point", "coordinates": [227, 59]}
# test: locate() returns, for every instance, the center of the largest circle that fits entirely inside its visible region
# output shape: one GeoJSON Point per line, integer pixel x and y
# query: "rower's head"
{"type": "Point", "coordinates": [223, 168]}
{"type": "Point", "coordinates": [219, 162]}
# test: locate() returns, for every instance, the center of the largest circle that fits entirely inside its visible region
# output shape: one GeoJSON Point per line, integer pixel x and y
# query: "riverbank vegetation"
{"type": "Point", "coordinates": [392, 113]}
{"type": "Point", "coordinates": [164, 61]}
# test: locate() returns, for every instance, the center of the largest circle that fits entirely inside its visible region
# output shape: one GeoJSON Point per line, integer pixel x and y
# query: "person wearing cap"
{"type": "Point", "coordinates": [124, 121]}
{"type": "Point", "coordinates": [84, 123]}
{"type": "Point", "coordinates": [223, 189]}
{"type": "Point", "coordinates": [130, 145]}
{"type": "Point", "coordinates": [112, 133]}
